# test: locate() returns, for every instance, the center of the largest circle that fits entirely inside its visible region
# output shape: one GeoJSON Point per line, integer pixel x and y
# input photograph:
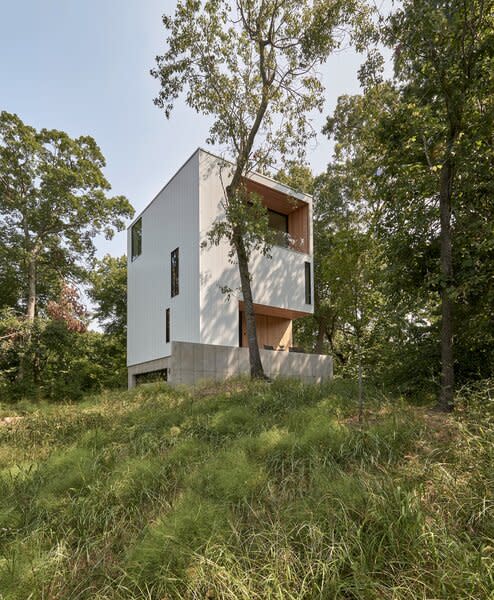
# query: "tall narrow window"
{"type": "Point", "coordinates": [167, 325]}
{"type": "Point", "coordinates": [174, 272]}
{"type": "Point", "coordinates": [136, 239]}
{"type": "Point", "coordinates": [308, 284]}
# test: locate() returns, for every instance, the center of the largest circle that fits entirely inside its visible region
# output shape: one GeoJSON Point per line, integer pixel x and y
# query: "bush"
{"type": "Point", "coordinates": [48, 360]}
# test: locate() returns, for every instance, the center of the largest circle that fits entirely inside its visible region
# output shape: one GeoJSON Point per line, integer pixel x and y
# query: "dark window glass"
{"type": "Point", "coordinates": [136, 239]}
{"type": "Point", "coordinates": [174, 271]}
{"type": "Point", "coordinates": [152, 376]}
{"type": "Point", "coordinates": [308, 284]}
{"type": "Point", "coordinates": [167, 326]}
{"type": "Point", "coordinates": [278, 223]}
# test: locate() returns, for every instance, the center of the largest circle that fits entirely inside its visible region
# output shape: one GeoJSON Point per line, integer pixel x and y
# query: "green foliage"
{"type": "Point", "coordinates": [445, 66]}
{"type": "Point", "coordinates": [247, 491]}
{"type": "Point", "coordinates": [108, 291]}
{"type": "Point", "coordinates": [252, 67]}
{"type": "Point", "coordinates": [53, 202]}
{"type": "Point", "coordinates": [66, 364]}
{"type": "Point", "coordinates": [241, 64]}
{"type": "Point", "coordinates": [10, 275]}
{"type": "Point", "coordinates": [392, 145]}
{"type": "Point", "coordinates": [298, 176]}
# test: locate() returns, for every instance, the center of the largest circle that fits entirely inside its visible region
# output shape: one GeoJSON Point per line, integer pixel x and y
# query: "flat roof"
{"type": "Point", "coordinates": [254, 176]}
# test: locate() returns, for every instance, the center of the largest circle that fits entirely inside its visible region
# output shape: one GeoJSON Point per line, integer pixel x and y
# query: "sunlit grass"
{"type": "Point", "coordinates": [247, 491]}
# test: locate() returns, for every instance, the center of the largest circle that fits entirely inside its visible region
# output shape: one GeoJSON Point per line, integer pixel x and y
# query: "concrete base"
{"type": "Point", "coordinates": [147, 367]}
{"type": "Point", "coordinates": [191, 363]}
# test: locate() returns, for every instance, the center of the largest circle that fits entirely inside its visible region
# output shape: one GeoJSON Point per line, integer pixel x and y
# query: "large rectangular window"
{"type": "Point", "coordinates": [174, 272]}
{"type": "Point", "coordinates": [136, 239]}
{"type": "Point", "coordinates": [278, 222]}
{"type": "Point", "coordinates": [308, 284]}
{"type": "Point", "coordinates": [167, 325]}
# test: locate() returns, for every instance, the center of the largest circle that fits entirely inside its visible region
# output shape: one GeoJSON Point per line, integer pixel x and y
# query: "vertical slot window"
{"type": "Point", "coordinates": [136, 239]}
{"type": "Point", "coordinates": [167, 325]}
{"type": "Point", "coordinates": [308, 284]}
{"type": "Point", "coordinates": [174, 272]}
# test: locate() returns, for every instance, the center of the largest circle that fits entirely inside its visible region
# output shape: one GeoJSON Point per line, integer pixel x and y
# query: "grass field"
{"type": "Point", "coordinates": [246, 491]}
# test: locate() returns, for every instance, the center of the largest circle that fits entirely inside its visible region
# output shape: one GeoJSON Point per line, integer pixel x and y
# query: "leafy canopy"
{"type": "Point", "coordinates": [229, 58]}
{"type": "Point", "coordinates": [53, 202]}
{"type": "Point", "coordinates": [108, 291]}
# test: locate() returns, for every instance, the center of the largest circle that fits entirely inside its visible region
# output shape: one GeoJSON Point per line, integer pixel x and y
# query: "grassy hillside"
{"type": "Point", "coordinates": [248, 491]}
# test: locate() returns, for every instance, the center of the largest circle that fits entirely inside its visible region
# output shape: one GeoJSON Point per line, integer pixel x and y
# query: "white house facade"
{"type": "Point", "coordinates": [180, 321]}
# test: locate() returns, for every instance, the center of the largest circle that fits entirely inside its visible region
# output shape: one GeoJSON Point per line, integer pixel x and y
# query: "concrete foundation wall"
{"type": "Point", "coordinates": [147, 367]}
{"type": "Point", "coordinates": [190, 363]}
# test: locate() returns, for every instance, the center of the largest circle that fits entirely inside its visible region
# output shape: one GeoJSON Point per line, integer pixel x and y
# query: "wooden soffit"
{"type": "Point", "coordinates": [274, 199]}
{"type": "Point", "coordinates": [275, 311]}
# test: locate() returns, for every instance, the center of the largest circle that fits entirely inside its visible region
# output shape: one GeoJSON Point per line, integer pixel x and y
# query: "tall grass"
{"type": "Point", "coordinates": [247, 491]}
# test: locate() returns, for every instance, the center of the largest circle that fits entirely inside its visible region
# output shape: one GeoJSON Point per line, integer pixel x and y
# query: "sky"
{"type": "Point", "coordinates": [82, 66]}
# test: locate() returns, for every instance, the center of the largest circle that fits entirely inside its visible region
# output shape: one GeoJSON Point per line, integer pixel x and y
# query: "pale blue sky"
{"type": "Point", "coordinates": [83, 66]}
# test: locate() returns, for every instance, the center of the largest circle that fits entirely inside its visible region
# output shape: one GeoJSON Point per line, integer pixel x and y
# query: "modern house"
{"type": "Point", "coordinates": [180, 321]}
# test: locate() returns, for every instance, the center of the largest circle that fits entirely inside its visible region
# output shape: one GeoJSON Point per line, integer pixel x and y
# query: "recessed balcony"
{"type": "Point", "coordinates": [288, 217]}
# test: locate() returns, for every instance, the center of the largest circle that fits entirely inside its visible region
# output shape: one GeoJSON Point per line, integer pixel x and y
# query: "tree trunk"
{"type": "Point", "coordinates": [26, 364]}
{"type": "Point", "coordinates": [232, 190]}
{"type": "Point", "coordinates": [31, 289]}
{"type": "Point", "coordinates": [319, 347]}
{"type": "Point", "coordinates": [446, 397]}
{"type": "Point", "coordinates": [256, 368]}
{"type": "Point", "coordinates": [339, 355]}
{"type": "Point", "coordinates": [360, 386]}
{"type": "Point", "coordinates": [31, 255]}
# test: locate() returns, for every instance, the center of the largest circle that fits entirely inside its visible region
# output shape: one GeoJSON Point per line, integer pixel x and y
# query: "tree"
{"type": "Point", "coordinates": [298, 176]}
{"type": "Point", "coordinates": [378, 169]}
{"type": "Point", "coordinates": [108, 291]}
{"type": "Point", "coordinates": [53, 202]}
{"type": "Point", "coordinates": [420, 150]}
{"type": "Point", "coordinates": [68, 309]}
{"type": "Point", "coordinates": [66, 361]}
{"type": "Point", "coordinates": [443, 57]}
{"type": "Point", "coordinates": [250, 65]}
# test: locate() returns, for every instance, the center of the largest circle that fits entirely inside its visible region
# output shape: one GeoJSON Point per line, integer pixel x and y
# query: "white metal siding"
{"type": "Point", "coordinates": [278, 281]}
{"type": "Point", "coordinates": [219, 317]}
{"type": "Point", "coordinates": [170, 221]}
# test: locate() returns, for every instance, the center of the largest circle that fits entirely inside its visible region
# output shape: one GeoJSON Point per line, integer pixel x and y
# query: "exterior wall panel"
{"type": "Point", "coordinates": [218, 316]}
{"type": "Point", "coordinates": [276, 281]}
{"type": "Point", "coordinates": [180, 217]}
{"type": "Point", "coordinates": [170, 221]}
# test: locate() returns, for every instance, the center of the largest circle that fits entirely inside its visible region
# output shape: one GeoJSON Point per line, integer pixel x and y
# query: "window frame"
{"type": "Point", "coordinates": [283, 238]}
{"type": "Point", "coordinates": [174, 273]}
{"type": "Point", "coordinates": [308, 282]}
{"type": "Point", "coordinates": [136, 239]}
{"type": "Point", "coordinates": [167, 325]}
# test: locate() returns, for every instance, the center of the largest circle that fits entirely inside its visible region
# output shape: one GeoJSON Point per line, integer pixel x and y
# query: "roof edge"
{"type": "Point", "coordinates": [259, 176]}
{"type": "Point", "coordinates": [254, 175]}
{"type": "Point", "coordinates": [137, 217]}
